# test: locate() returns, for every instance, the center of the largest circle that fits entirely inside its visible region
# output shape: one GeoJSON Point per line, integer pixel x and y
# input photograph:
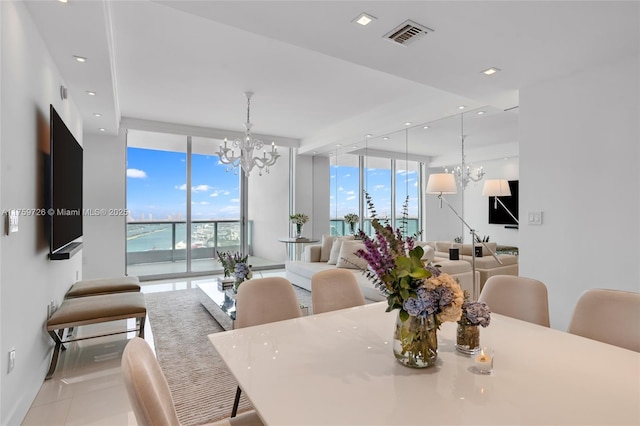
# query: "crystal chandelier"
{"type": "Point", "coordinates": [247, 146]}
{"type": "Point", "coordinates": [463, 172]}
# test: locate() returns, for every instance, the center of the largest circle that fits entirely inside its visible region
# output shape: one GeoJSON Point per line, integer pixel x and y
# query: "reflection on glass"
{"type": "Point", "coordinates": [344, 192]}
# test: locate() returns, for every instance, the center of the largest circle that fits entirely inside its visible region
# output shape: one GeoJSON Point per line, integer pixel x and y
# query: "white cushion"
{"type": "Point", "coordinates": [429, 253]}
{"type": "Point", "coordinates": [348, 258]}
{"type": "Point", "coordinates": [327, 242]}
{"type": "Point", "coordinates": [335, 248]}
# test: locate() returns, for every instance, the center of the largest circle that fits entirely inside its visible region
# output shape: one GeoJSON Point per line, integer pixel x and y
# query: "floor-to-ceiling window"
{"type": "Point", "coordinates": [344, 192]}
{"type": "Point", "coordinates": [407, 195]}
{"type": "Point", "coordinates": [378, 185]}
{"type": "Point", "coordinates": [184, 206]}
{"type": "Point", "coordinates": [215, 206]}
{"type": "Point", "coordinates": [156, 183]}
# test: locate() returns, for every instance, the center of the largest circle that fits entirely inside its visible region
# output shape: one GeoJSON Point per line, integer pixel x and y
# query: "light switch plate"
{"type": "Point", "coordinates": [534, 218]}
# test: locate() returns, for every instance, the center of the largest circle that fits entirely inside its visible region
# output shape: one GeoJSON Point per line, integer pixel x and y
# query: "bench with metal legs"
{"type": "Point", "coordinates": [88, 310]}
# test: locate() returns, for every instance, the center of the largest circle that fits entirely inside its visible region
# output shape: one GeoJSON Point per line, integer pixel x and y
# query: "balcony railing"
{"type": "Point", "coordinates": [166, 241]}
{"type": "Point", "coordinates": [340, 227]}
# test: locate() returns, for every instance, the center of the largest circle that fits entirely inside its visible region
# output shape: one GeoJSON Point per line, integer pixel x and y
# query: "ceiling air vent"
{"type": "Point", "coordinates": [407, 33]}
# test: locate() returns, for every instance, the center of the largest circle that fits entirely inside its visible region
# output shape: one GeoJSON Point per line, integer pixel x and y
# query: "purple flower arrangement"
{"type": "Point", "coordinates": [475, 313]}
{"type": "Point", "coordinates": [396, 268]}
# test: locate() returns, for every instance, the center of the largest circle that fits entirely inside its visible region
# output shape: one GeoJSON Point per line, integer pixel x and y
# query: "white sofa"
{"type": "Point", "coordinates": [486, 265]}
{"type": "Point", "coordinates": [315, 259]}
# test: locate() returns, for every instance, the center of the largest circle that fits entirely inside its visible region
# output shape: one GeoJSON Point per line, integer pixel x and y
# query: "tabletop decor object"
{"type": "Point", "coordinates": [351, 219]}
{"type": "Point", "coordinates": [424, 296]}
{"type": "Point", "coordinates": [299, 219]}
{"type": "Point", "coordinates": [236, 265]}
{"type": "Point", "coordinates": [474, 314]}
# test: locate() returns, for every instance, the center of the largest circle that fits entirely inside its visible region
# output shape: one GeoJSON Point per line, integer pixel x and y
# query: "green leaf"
{"type": "Point", "coordinates": [404, 315]}
{"type": "Point", "coordinates": [404, 293]}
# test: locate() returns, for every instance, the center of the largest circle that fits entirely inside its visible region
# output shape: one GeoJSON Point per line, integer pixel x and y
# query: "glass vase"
{"type": "Point", "coordinates": [298, 230]}
{"type": "Point", "coordinates": [468, 339]}
{"type": "Point", "coordinates": [415, 341]}
{"type": "Point", "coordinates": [352, 228]}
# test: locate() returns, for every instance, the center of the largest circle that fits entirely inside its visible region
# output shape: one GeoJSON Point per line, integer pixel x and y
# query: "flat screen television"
{"type": "Point", "coordinates": [499, 215]}
{"type": "Point", "coordinates": [64, 192]}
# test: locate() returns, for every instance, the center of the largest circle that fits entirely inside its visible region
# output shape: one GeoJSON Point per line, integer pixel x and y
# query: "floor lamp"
{"type": "Point", "coordinates": [498, 188]}
{"type": "Point", "coordinates": [445, 183]}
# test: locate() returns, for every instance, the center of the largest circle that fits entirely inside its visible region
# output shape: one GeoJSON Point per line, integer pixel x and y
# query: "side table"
{"type": "Point", "coordinates": [298, 244]}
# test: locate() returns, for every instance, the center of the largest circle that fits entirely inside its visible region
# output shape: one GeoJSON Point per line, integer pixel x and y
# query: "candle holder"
{"type": "Point", "coordinates": [483, 361]}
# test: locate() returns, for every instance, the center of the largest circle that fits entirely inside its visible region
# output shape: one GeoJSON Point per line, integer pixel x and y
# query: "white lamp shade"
{"type": "Point", "coordinates": [496, 188]}
{"type": "Point", "coordinates": [441, 183]}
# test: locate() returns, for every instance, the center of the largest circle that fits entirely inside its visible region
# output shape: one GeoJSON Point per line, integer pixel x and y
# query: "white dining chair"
{"type": "Point", "coordinates": [149, 391]}
{"type": "Point", "coordinates": [261, 301]}
{"type": "Point", "coordinates": [517, 297]}
{"type": "Point", "coordinates": [609, 316]}
{"type": "Point", "coordinates": [335, 289]}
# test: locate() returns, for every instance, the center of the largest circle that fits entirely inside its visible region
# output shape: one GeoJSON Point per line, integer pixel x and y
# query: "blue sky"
{"type": "Point", "coordinates": [156, 186]}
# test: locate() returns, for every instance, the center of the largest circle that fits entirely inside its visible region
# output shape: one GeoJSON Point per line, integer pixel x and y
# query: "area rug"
{"type": "Point", "coordinates": [202, 387]}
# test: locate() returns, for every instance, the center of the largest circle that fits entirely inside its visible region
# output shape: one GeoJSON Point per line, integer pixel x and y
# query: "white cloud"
{"type": "Point", "coordinates": [234, 200]}
{"type": "Point", "coordinates": [200, 188]}
{"type": "Point", "coordinates": [136, 174]}
{"type": "Point", "coordinates": [351, 192]}
{"type": "Point", "coordinates": [378, 187]}
{"type": "Point", "coordinates": [351, 198]}
{"type": "Point", "coordinates": [182, 187]}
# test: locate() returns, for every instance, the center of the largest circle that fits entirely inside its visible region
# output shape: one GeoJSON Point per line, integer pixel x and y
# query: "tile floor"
{"type": "Point", "coordinates": [87, 388]}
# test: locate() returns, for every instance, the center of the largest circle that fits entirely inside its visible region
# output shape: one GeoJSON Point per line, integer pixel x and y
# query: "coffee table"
{"type": "Point", "coordinates": [221, 304]}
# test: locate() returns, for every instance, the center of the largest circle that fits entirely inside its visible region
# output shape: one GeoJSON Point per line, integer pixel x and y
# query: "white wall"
{"type": "Point", "coordinates": [303, 193]}
{"type": "Point", "coordinates": [30, 82]}
{"type": "Point", "coordinates": [320, 188]}
{"type": "Point", "coordinates": [579, 156]}
{"type": "Point", "coordinates": [104, 246]}
{"type": "Point", "coordinates": [269, 209]}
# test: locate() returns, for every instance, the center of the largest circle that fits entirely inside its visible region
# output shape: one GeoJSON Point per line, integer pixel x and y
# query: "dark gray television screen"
{"type": "Point", "coordinates": [499, 215]}
{"type": "Point", "coordinates": [65, 185]}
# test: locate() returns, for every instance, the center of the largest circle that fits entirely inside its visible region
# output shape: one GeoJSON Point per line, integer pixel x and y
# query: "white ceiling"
{"type": "Point", "coordinates": [321, 79]}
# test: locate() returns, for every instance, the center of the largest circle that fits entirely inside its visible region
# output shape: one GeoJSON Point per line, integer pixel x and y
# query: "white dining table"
{"type": "Point", "coordinates": [338, 368]}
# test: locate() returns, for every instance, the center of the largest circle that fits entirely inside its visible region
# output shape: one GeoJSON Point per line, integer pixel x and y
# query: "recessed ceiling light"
{"type": "Point", "coordinates": [368, 135]}
{"type": "Point", "coordinates": [408, 123]}
{"type": "Point", "coordinates": [386, 138]}
{"type": "Point", "coordinates": [480, 112]}
{"type": "Point", "coordinates": [91, 93]}
{"type": "Point", "coordinates": [101, 129]}
{"type": "Point", "coordinates": [363, 19]}
{"type": "Point", "coordinates": [80, 58]}
{"type": "Point", "coordinates": [97, 114]}
{"type": "Point", "coordinates": [490, 71]}
{"type": "Point", "coordinates": [425, 127]}
{"type": "Point", "coordinates": [338, 144]}
{"type": "Point", "coordinates": [63, 1]}
{"type": "Point", "coordinates": [461, 107]}
{"type": "Point", "coordinates": [355, 146]}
